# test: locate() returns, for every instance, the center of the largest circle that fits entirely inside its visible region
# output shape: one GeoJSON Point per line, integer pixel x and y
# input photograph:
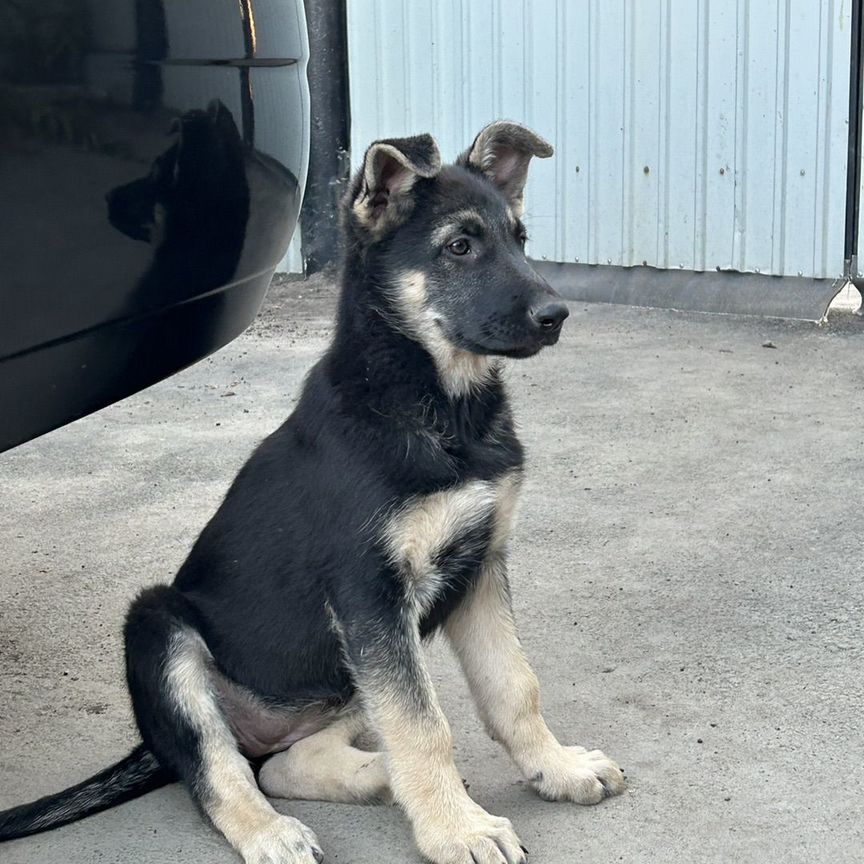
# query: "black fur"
{"type": "Point", "coordinates": [296, 543]}
{"type": "Point", "coordinates": [129, 778]}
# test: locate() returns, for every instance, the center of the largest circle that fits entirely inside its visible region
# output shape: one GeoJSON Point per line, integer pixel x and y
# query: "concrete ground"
{"type": "Point", "coordinates": [687, 576]}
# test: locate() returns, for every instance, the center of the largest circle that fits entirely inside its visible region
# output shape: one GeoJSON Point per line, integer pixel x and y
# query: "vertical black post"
{"type": "Point", "coordinates": [329, 142]}
{"type": "Point", "coordinates": [853, 171]}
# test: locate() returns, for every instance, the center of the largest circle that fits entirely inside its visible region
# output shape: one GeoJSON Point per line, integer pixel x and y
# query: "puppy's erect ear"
{"type": "Point", "coordinates": [502, 152]}
{"type": "Point", "coordinates": [380, 194]}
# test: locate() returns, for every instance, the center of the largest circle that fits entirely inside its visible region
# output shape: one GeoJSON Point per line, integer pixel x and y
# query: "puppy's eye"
{"type": "Point", "coordinates": [459, 247]}
{"type": "Point", "coordinates": [522, 238]}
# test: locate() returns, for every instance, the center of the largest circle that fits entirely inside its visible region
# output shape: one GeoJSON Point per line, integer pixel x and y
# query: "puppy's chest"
{"type": "Point", "coordinates": [438, 541]}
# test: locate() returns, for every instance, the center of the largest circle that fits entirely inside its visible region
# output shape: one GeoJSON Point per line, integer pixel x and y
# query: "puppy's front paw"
{"type": "Point", "coordinates": [475, 837]}
{"type": "Point", "coordinates": [578, 775]}
{"type": "Point", "coordinates": [284, 841]}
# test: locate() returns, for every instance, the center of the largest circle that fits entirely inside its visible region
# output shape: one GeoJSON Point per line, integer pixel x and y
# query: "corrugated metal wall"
{"type": "Point", "coordinates": [694, 134]}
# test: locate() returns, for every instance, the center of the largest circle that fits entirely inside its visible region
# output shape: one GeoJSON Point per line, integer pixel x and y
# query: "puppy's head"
{"type": "Point", "coordinates": [447, 243]}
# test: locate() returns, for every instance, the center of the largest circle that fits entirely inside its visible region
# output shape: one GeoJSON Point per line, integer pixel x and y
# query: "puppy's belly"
{"type": "Point", "coordinates": [261, 728]}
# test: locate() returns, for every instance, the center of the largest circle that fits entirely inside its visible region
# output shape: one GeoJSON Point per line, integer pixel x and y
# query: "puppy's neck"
{"type": "Point", "coordinates": [403, 307]}
{"type": "Point", "coordinates": [398, 364]}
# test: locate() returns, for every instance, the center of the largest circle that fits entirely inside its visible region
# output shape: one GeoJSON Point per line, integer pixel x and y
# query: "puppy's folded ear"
{"type": "Point", "coordinates": [380, 194]}
{"type": "Point", "coordinates": [502, 152]}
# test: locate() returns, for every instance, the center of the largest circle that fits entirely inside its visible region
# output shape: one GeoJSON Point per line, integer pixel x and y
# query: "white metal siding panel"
{"type": "Point", "coordinates": [293, 260]}
{"type": "Point", "coordinates": [701, 134]}
{"type": "Point", "coordinates": [801, 212]}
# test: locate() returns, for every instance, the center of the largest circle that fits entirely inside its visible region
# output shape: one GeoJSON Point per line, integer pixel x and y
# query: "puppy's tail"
{"type": "Point", "coordinates": [135, 775]}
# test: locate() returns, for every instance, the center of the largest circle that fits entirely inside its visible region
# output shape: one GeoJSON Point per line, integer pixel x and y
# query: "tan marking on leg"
{"type": "Point", "coordinates": [505, 688]}
{"type": "Point", "coordinates": [507, 693]}
{"type": "Point", "coordinates": [327, 767]}
{"type": "Point", "coordinates": [459, 371]}
{"type": "Point", "coordinates": [230, 798]}
{"type": "Point", "coordinates": [506, 508]}
{"type": "Point", "coordinates": [448, 826]}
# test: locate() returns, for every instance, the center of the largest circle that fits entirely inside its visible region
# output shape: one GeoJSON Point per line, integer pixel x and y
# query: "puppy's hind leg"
{"type": "Point", "coordinates": [169, 670]}
{"type": "Point", "coordinates": [327, 767]}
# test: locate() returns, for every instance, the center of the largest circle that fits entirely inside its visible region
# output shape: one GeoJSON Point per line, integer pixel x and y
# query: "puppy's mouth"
{"type": "Point", "coordinates": [550, 335]}
{"type": "Point", "coordinates": [518, 351]}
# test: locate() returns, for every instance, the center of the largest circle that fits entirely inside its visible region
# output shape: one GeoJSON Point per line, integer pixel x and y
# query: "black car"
{"type": "Point", "coordinates": [152, 160]}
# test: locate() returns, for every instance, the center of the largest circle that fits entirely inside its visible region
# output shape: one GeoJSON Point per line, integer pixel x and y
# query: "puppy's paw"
{"type": "Point", "coordinates": [475, 837]}
{"type": "Point", "coordinates": [284, 841]}
{"type": "Point", "coordinates": [576, 774]}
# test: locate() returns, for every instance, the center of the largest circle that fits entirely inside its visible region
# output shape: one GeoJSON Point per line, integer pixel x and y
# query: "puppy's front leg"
{"type": "Point", "coordinates": [397, 692]}
{"type": "Point", "coordinates": [483, 634]}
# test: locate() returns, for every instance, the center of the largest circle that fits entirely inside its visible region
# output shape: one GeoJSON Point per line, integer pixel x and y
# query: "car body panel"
{"type": "Point", "coordinates": [151, 177]}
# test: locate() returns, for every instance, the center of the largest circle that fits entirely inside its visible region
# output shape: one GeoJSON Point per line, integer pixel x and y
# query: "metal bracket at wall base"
{"type": "Point", "coordinates": [722, 292]}
{"type": "Point", "coordinates": [857, 279]}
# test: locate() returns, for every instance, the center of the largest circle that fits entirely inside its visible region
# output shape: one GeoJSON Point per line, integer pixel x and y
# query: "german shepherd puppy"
{"type": "Point", "coordinates": [375, 516]}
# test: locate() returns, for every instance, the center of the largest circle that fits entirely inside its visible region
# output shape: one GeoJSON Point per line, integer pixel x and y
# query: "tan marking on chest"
{"type": "Point", "coordinates": [425, 526]}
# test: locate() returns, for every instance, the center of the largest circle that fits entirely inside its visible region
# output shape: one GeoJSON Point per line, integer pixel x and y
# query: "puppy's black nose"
{"type": "Point", "coordinates": [550, 316]}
